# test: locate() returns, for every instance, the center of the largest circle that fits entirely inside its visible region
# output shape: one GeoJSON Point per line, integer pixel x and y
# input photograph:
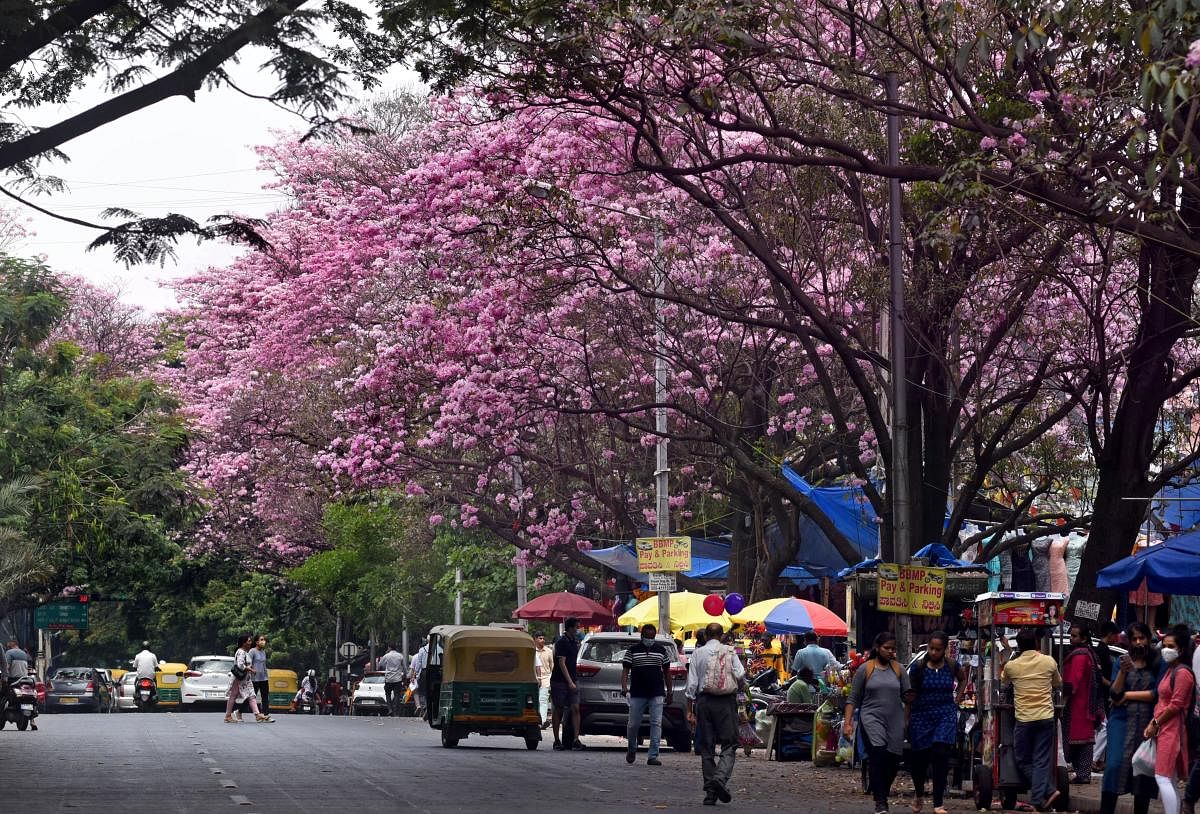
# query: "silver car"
{"type": "Point", "coordinates": [603, 710]}
{"type": "Point", "coordinates": [124, 693]}
{"type": "Point", "coordinates": [206, 681]}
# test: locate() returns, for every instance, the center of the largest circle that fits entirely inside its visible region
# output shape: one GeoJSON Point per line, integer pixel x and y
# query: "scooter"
{"type": "Point", "coordinates": [309, 703]}
{"type": "Point", "coordinates": [20, 703]}
{"type": "Point", "coordinates": [145, 694]}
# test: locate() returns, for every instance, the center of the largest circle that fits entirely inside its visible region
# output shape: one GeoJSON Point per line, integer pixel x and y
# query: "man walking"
{"type": "Point", "coordinates": [648, 664]}
{"type": "Point", "coordinates": [1033, 676]}
{"type": "Point", "coordinates": [812, 656]}
{"type": "Point", "coordinates": [395, 670]}
{"type": "Point", "coordinates": [715, 675]}
{"type": "Point", "coordinates": [418, 667]}
{"type": "Point", "coordinates": [543, 666]}
{"type": "Point", "coordinates": [564, 692]}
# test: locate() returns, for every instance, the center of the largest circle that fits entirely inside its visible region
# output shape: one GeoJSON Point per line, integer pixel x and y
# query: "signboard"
{"type": "Point", "coordinates": [62, 616]}
{"type": "Point", "coordinates": [911, 589]}
{"type": "Point", "coordinates": [662, 581]}
{"type": "Point", "coordinates": [348, 650]}
{"type": "Point", "coordinates": [664, 554]}
{"type": "Point", "coordinates": [1021, 612]}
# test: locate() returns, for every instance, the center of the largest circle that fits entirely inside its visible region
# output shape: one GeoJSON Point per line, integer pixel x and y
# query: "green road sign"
{"type": "Point", "coordinates": [61, 616]}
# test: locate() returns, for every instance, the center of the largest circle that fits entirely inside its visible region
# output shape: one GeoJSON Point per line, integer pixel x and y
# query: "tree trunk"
{"type": "Point", "coordinates": [1167, 278]}
{"type": "Point", "coordinates": [743, 556]}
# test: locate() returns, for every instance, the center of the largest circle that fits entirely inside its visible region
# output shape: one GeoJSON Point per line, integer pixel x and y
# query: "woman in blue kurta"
{"type": "Point", "coordinates": [1134, 692]}
{"type": "Point", "coordinates": [934, 723]}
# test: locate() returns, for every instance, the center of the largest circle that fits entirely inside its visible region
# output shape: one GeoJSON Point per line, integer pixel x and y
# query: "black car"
{"type": "Point", "coordinates": [83, 689]}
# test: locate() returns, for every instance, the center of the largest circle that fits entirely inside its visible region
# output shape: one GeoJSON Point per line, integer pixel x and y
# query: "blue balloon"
{"type": "Point", "coordinates": [734, 604]}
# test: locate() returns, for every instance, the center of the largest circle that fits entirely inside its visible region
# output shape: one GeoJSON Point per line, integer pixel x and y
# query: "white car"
{"type": "Point", "coordinates": [369, 697]}
{"type": "Point", "coordinates": [124, 692]}
{"type": "Point", "coordinates": [206, 681]}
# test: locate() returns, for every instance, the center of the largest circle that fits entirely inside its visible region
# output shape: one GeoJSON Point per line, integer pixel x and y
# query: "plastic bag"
{"type": "Point", "coordinates": [1145, 757]}
{"type": "Point", "coordinates": [747, 736]}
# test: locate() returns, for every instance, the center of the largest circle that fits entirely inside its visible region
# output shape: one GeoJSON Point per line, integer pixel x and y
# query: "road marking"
{"type": "Point", "coordinates": [229, 784]}
{"type": "Point", "coordinates": [215, 770]}
{"type": "Point", "coordinates": [209, 759]}
{"type": "Point", "coordinates": [590, 787]}
{"type": "Point", "coordinates": [241, 799]}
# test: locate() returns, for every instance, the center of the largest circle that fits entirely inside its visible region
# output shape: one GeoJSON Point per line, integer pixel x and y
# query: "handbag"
{"type": "Point", "coordinates": [1144, 758]}
{"type": "Point", "coordinates": [239, 672]}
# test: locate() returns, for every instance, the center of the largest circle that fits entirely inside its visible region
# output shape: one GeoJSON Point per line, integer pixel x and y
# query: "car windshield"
{"type": "Point", "coordinates": [221, 665]}
{"type": "Point", "coordinates": [373, 680]}
{"type": "Point", "coordinates": [72, 674]}
{"type": "Point", "coordinates": [612, 651]}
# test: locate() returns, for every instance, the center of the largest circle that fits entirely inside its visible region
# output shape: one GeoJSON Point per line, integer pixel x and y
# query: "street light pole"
{"type": "Point", "coordinates": [662, 503]}
{"type": "Point", "coordinates": [900, 484]}
{"type": "Point", "coordinates": [522, 577]}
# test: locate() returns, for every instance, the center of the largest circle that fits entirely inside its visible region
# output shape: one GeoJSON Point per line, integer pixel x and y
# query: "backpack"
{"type": "Point", "coordinates": [719, 678]}
{"type": "Point", "coordinates": [873, 663]}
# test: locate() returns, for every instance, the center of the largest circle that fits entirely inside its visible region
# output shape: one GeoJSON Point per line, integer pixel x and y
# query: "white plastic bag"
{"type": "Point", "coordinates": [1144, 758]}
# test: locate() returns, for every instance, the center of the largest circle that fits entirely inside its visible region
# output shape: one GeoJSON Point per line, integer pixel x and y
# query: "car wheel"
{"type": "Point", "coordinates": [532, 741]}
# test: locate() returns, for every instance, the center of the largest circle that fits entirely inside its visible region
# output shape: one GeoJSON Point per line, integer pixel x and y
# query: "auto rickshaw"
{"type": "Point", "coordinates": [481, 680]}
{"type": "Point", "coordinates": [169, 681]}
{"type": "Point", "coordinates": [282, 686]}
{"type": "Point", "coordinates": [997, 768]}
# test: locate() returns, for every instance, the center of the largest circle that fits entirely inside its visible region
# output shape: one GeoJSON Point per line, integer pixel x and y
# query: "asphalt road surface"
{"type": "Point", "coordinates": [193, 763]}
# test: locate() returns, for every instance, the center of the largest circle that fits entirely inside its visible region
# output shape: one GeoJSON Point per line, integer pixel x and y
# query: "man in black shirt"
{"type": "Point", "coordinates": [564, 692]}
{"type": "Point", "coordinates": [649, 665]}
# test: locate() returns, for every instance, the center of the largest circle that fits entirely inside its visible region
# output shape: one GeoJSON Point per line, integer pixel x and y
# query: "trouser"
{"type": "Point", "coordinates": [231, 699]}
{"type": "Point", "coordinates": [881, 773]}
{"type": "Point", "coordinates": [263, 690]}
{"type": "Point", "coordinates": [1101, 748]}
{"type": "Point", "coordinates": [1079, 755]}
{"type": "Point", "coordinates": [716, 724]}
{"type": "Point", "coordinates": [1191, 792]}
{"type": "Point", "coordinates": [1168, 795]}
{"type": "Point", "coordinates": [544, 703]}
{"type": "Point", "coordinates": [1108, 803]}
{"type": "Point", "coordinates": [393, 694]}
{"type": "Point", "coordinates": [935, 760]}
{"type": "Point", "coordinates": [637, 708]}
{"type": "Point", "coordinates": [1034, 750]}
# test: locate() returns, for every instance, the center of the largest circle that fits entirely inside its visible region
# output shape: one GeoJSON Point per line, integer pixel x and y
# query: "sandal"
{"type": "Point", "coordinates": [264, 719]}
{"type": "Point", "coordinates": [229, 719]}
{"type": "Point", "coordinates": [939, 810]}
{"type": "Point", "coordinates": [917, 805]}
{"type": "Point", "coordinates": [1023, 806]}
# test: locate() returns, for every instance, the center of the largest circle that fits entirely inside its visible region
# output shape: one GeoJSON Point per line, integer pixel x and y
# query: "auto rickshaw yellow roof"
{"type": "Point", "coordinates": [468, 635]}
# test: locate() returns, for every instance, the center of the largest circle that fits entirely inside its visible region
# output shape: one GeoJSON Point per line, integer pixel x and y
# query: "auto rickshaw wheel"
{"type": "Point", "coordinates": [1063, 783]}
{"type": "Point", "coordinates": [983, 787]}
{"type": "Point", "coordinates": [532, 741]}
{"type": "Point", "coordinates": [449, 738]}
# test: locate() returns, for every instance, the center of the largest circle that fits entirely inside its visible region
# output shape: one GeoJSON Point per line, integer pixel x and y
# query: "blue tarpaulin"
{"type": "Point", "coordinates": [940, 557]}
{"type": "Point", "coordinates": [1178, 507]}
{"type": "Point", "coordinates": [1172, 567]}
{"type": "Point", "coordinates": [623, 559]}
{"type": "Point", "coordinates": [850, 512]}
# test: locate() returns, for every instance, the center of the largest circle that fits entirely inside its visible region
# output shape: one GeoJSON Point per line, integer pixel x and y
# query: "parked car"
{"type": "Point", "coordinates": [125, 699]}
{"type": "Point", "coordinates": [603, 710]}
{"type": "Point", "coordinates": [206, 681]}
{"type": "Point", "coordinates": [111, 682]}
{"type": "Point", "coordinates": [368, 697]}
{"type": "Point", "coordinates": [78, 688]}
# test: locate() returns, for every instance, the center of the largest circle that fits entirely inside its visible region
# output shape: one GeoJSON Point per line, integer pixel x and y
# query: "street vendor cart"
{"type": "Point", "coordinates": [998, 615]}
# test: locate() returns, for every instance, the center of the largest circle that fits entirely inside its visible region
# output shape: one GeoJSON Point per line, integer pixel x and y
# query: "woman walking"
{"type": "Point", "coordinates": [1134, 692]}
{"type": "Point", "coordinates": [241, 689]}
{"type": "Point", "coordinates": [934, 721]}
{"type": "Point", "coordinates": [1084, 708]}
{"type": "Point", "coordinates": [878, 694]}
{"type": "Point", "coordinates": [262, 684]}
{"type": "Point", "coordinates": [1167, 726]}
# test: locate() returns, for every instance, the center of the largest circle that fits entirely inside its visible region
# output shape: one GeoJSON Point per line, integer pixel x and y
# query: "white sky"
{"type": "Point", "coordinates": [194, 158]}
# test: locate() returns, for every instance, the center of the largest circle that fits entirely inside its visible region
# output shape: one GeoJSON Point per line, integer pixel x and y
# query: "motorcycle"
{"type": "Point", "coordinates": [145, 694]}
{"type": "Point", "coordinates": [308, 703]}
{"type": "Point", "coordinates": [19, 704]}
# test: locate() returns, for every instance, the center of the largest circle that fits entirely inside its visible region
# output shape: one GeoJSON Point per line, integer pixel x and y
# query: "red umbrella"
{"type": "Point", "coordinates": [556, 607]}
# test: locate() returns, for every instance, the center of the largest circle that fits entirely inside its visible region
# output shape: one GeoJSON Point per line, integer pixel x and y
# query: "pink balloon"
{"type": "Point", "coordinates": [714, 605]}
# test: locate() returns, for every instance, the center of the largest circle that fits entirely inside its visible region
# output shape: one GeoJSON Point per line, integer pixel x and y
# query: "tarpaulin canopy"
{"type": "Point", "coordinates": [623, 559]}
{"type": "Point", "coordinates": [1178, 506]}
{"type": "Point", "coordinates": [1172, 567]}
{"type": "Point", "coordinates": [848, 508]}
{"type": "Point", "coordinates": [939, 556]}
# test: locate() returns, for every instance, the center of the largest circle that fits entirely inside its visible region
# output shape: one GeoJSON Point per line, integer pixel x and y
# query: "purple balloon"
{"type": "Point", "coordinates": [734, 603]}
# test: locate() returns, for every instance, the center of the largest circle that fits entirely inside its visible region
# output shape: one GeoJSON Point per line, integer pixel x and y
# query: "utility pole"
{"type": "Point", "coordinates": [662, 511]}
{"type": "Point", "coordinates": [900, 484]}
{"type": "Point", "coordinates": [404, 636]}
{"type": "Point", "coordinates": [522, 587]}
{"type": "Point", "coordinates": [458, 596]}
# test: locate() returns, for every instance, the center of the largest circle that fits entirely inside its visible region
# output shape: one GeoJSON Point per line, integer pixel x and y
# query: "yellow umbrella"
{"type": "Point", "coordinates": [687, 613]}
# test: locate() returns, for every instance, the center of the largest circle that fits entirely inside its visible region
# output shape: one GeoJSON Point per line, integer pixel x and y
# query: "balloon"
{"type": "Point", "coordinates": [714, 605]}
{"type": "Point", "coordinates": [734, 603]}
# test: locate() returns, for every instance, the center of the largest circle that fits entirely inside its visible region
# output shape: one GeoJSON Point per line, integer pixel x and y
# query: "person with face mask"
{"type": "Point", "coordinates": [1167, 726]}
{"type": "Point", "coordinates": [1133, 693]}
{"type": "Point", "coordinates": [646, 682]}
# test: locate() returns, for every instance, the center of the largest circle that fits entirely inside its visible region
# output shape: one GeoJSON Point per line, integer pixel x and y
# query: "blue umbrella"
{"type": "Point", "coordinates": [1172, 567]}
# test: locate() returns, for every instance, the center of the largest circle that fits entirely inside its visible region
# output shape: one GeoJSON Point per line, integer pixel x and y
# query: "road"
{"type": "Point", "coordinates": [193, 763]}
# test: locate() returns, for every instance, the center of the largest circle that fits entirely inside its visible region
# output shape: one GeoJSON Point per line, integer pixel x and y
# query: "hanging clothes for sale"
{"type": "Point", "coordinates": [1076, 542]}
{"type": "Point", "coordinates": [1058, 566]}
{"type": "Point", "coordinates": [1041, 564]}
{"type": "Point", "coordinates": [1186, 610]}
{"type": "Point", "coordinates": [1022, 569]}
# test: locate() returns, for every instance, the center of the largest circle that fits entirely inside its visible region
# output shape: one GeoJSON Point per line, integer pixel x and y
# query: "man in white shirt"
{"type": "Point", "coordinates": [543, 666]}
{"type": "Point", "coordinates": [145, 665]}
{"type": "Point", "coordinates": [395, 669]}
{"type": "Point", "coordinates": [418, 667]}
{"type": "Point", "coordinates": [712, 715]}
